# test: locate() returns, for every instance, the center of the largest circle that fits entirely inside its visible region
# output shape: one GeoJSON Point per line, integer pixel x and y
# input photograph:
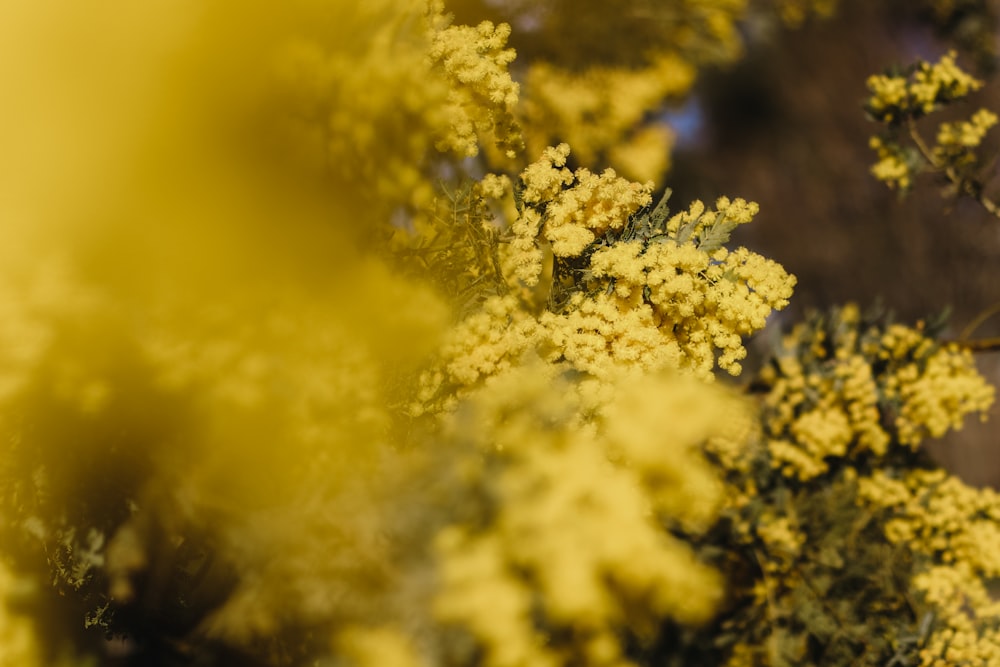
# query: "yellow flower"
{"type": "Point", "coordinates": [956, 141]}
{"type": "Point", "coordinates": [892, 166]}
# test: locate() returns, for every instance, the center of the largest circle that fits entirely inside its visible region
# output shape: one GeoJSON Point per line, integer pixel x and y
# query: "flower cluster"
{"type": "Point", "coordinates": [482, 96]}
{"type": "Point", "coordinates": [940, 516]}
{"type": "Point", "coordinates": [561, 104]}
{"type": "Point", "coordinates": [780, 538]}
{"type": "Point", "coordinates": [706, 298]}
{"type": "Point", "coordinates": [415, 82]}
{"type": "Point", "coordinates": [832, 502]}
{"type": "Point", "coordinates": [955, 530]}
{"type": "Point", "coordinates": [490, 341]}
{"type": "Point", "coordinates": [599, 92]}
{"type": "Point", "coordinates": [934, 387]}
{"type": "Point", "coordinates": [896, 164]}
{"type": "Point", "coordinates": [533, 578]}
{"type": "Point", "coordinates": [602, 333]}
{"type": "Point", "coordinates": [570, 210]}
{"type": "Point", "coordinates": [895, 98]}
{"type": "Point", "coordinates": [630, 287]}
{"type": "Point", "coordinates": [842, 387]}
{"type": "Point", "coordinates": [310, 76]}
{"type": "Point", "coordinates": [969, 630]}
{"type": "Point", "coordinates": [597, 335]}
{"type": "Point", "coordinates": [957, 141]}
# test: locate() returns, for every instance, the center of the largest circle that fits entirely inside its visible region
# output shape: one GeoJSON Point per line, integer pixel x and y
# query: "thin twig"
{"type": "Point", "coordinates": [978, 321]}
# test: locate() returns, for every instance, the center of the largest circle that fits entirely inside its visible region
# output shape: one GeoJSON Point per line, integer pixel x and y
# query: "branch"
{"type": "Point", "coordinates": [970, 187]}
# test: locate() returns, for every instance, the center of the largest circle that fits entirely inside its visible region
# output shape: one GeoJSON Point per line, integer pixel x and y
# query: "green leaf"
{"type": "Point", "coordinates": [715, 236]}
{"type": "Point", "coordinates": [659, 215]}
{"type": "Point", "coordinates": [685, 232]}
